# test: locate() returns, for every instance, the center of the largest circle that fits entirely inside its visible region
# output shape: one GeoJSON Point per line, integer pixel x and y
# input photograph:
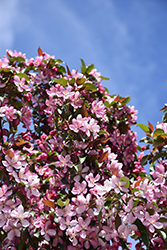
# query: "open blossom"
{"type": "Point", "coordinates": [19, 214]}
{"type": "Point", "coordinates": [21, 84]}
{"type": "Point", "coordinates": [79, 188]}
{"type": "Point", "coordinates": [91, 179]}
{"type": "Point", "coordinates": [90, 126]}
{"type": "Point", "coordinates": [98, 108]}
{"type": "Point", "coordinates": [82, 226]}
{"type": "Point", "coordinates": [76, 123]}
{"type": "Point", "coordinates": [47, 231]}
{"type": "Point", "coordinates": [26, 116]}
{"type": "Point", "coordinates": [159, 174]}
{"type": "Point", "coordinates": [13, 229]}
{"type": "Point", "coordinates": [152, 222]}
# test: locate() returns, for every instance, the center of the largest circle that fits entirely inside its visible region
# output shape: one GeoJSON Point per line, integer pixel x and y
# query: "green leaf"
{"type": "Point", "coordinates": [19, 59]}
{"type": "Point", "coordinates": [104, 78]}
{"type": "Point", "coordinates": [76, 167]}
{"type": "Point", "coordinates": [82, 159]}
{"type": "Point", "coordinates": [90, 86]}
{"type": "Point", "coordinates": [19, 112]}
{"type": "Point", "coordinates": [99, 217]}
{"type": "Point", "coordinates": [164, 118]}
{"type": "Point", "coordinates": [107, 204]}
{"type": "Point", "coordinates": [72, 81]}
{"type": "Point", "coordinates": [125, 179]}
{"type": "Point", "coordinates": [144, 160]}
{"type": "Point", "coordinates": [158, 132]}
{"type": "Point", "coordinates": [157, 141]}
{"type": "Point", "coordinates": [61, 81]}
{"type": "Point", "coordinates": [140, 225]}
{"type": "Point", "coordinates": [21, 197]}
{"type": "Point", "coordinates": [163, 234]}
{"type": "Point", "coordinates": [107, 104]}
{"type": "Point", "coordinates": [89, 68]}
{"type": "Point", "coordinates": [126, 100]}
{"type": "Point", "coordinates": [103, 132]}
{"type": "Point", "coordinates": [58, 61]}
{"type": "Point", "coordinates": [22, 75]}
{"type": "Point", "coordinates": [144, 127]}
{"type": "Point", "coordinates": [158, 155]}
{"type": "Point", "coordinates": [60, 203]}
{"type": "Point", "coordinates": [162, 219]}
{"type": "Point", "coordinates": [83, 67]}
{"type": "Point", "coordinates": [145, 238]}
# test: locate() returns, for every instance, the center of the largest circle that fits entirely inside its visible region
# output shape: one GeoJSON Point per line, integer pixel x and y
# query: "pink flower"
{"type": "Point", "coordinates": [47, 231]}
{"type": "Point", "coordinates": [91, 180]}
{"type": "Point", "coordinates": [83, 226]}
{"type": "Point", "coordinates": [151, 222]}
{"type": "Point", "coordinates": [159, 174]}
{"type": "Point", "coordinates": [20, 83]}
{"type": "Point", "coordinates": [12, 228]}
{"type": "Point", "coordinates": [19, 214]}
{"type": "Point", "coordinates": [76, 123]}
{"type": "Point", "coordinates": [126, 230]}
{"type": "Point", "coordinates": [79, 188]}
{"type": "Point", "coordinates": [66, 222]}
{"type": "Point", "coordinates": [98, 108]}
{"type": "Point", "coordinates": [10, 113]}
{"type": "Point", "coordinates": [90, 126]}
{"type": "Point", "coordinates": [26, 116]}
{"type": "Point", "coordinates": [76, 100]}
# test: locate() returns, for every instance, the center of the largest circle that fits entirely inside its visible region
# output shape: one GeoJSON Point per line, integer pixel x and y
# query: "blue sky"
{"type": "Point", "coordinates": [126, 40]}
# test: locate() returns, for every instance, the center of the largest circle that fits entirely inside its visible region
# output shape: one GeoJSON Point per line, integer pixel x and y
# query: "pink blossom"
{"type": "Point", "coordinates": [26, 116]}
{"type": "Point", "coordinates": [47, 231]}
{"type": "Point", "coordinates": [76, 123]}
{"type": "Point", "coordinates": [66, 222]}
{"type": "Point", "coordinates": [159, 174]}
{"type": "Point", "coordinates": [19, 214]}
{"type": "Point", "coordinates": [90, 126]}
{"type": "Point", "coordinates": [151, 221]}
{"type": "Point", "coordinates": [83, 226]}
{"type": "Point", "coordinates": [91, 180]}
{"type": "Point", "coordinates": [12, 227]}
{"type": "Point", "coordinates": [98, 108]}
{"type": "Point", "coordinates": [10, 113]}
{"type": "Point", "coordinates": [21, 84]}
{"type": "Point", "coordinates": [76, 100]}
{"type": "Point", "coordinates": [79, 188]}
{"type": "Point", "coordinates": [125, 230]}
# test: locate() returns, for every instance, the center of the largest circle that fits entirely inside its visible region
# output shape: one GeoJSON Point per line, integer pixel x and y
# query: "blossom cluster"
{"type": "Point", "coordinates": [70, 174]}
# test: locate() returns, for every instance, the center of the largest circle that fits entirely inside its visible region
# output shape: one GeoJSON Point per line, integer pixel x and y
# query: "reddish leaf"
{"type": "Point", "coordinates": [20, 142]}
{"type": "Point", "coordinates": [84, 111]}
{"type": "Point", "coordinates": [49, 62]}
{"type": "Point", "coordinates": [139, 181]}
{"type": "Point", "coordinates": [150, 126]}
{"type": "Point", "coordinates": [116, 172]}
{"type": "Point", "coordinates": [116, 99]}
{"type": "Point", "coordinates": [103, 156]}
{"type": "Point", "coordinates": [49, 203]}
{"type": "Point", "coordinates": [10, 153]}
{"type": "Point", "coordinates": [165, 107]}
{"type": "Point", "coordinates": [104, 140]}
{"type": "Point", "coordinates": [68, 70]}
{"type": "Point", "coordinates": [40, 51]}
{"type": "Point", "coordinates": [122, 99]}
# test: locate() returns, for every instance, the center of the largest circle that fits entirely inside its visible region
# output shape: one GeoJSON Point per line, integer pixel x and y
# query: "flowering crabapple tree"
{"type": "Point", "coordinates": [72, 174]}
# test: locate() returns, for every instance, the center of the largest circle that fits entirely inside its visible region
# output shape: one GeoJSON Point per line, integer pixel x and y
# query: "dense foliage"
{"type": "Point", "coordinates": [72, 174]}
